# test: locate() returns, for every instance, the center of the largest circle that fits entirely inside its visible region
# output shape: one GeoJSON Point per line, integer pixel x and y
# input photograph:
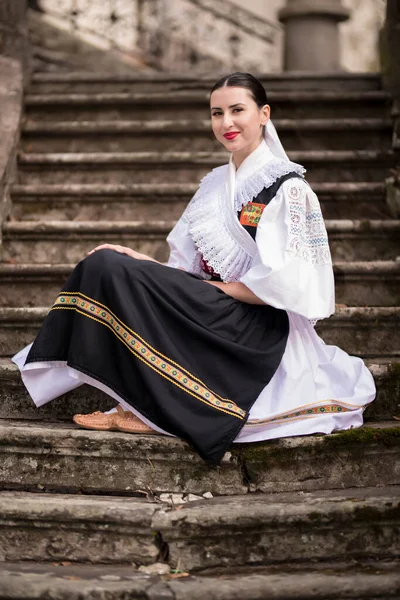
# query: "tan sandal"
{"type": "Point", "coordinates": [116, 421]}
{"type": "Point", "coordinates": [130, 423]}
{"type": "Point", "coordinates": [99, 420]}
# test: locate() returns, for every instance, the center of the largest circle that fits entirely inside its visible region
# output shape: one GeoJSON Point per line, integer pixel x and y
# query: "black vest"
{"type": "Point", "coordinates": [250, 214]}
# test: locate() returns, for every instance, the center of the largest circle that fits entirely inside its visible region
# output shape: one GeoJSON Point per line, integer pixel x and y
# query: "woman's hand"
{"type": "Point", "coordinates": [122, 250]}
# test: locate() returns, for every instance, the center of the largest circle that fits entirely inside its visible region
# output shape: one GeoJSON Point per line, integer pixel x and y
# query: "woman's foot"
{"type": "Point", "coordinates": [120, 420]}
{"type": "Point", "coordinates": [97, 420]}
{"type": "Point", "coordinates": [130, 423]}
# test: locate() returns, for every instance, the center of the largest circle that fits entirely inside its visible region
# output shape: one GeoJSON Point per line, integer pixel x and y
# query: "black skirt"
{"type": "Point", "coordinates": [185, 355]}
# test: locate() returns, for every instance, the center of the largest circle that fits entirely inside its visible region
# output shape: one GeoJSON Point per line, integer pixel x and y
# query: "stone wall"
{"type": "Point", "coordinates": [14, 73]}
{"type": "Point", "coordinates": [14, 40]}
{"type": "Point", "coordinates": [390, 56]}
{"type": "Point", "coordinates": [360, 35]}
{"type": "Point", "coordinates": [192, 36]}
{"type": "Point", "coordinates": [201, 35]}
{"type": "Point", "coordinates": [11, 97]}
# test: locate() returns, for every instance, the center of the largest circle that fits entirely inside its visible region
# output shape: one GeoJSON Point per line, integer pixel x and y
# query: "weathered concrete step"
{"type": "Point", "coordinates": [16, 404]}
{"type": "Point", "coordinates": [131, 136]}
{"type": "Point", "coordinates": [76, 528]}
{"type": "Point", "coordinates": [309, 581]}
{"type": "Point", "coordinates": [86, 82]}
{"type": "Point", "coordinates": [259, 529]}
{"type": "Point", "coordinates": [69, 241]}
{"type": "Point", "coordinates": [375, 283]}
{"type": "Point", "coordinates": [193, 104]}
{"type": "Point", "coordinates": [181, 167]}
{"type": "Point", "coordinates": [62, 458]}
{"type": "Point", "coordinates": [367, 332]}
{"type": "Point", "coordinates": [87, 202]}
{"type": "Point", "coordinates": [300, 526]}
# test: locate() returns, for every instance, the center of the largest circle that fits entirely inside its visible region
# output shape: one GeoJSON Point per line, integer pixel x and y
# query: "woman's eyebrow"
{"type": "Point", "coordinates": [231, 106]}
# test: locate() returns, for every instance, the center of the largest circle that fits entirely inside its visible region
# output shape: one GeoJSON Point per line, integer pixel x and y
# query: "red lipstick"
{"type": "Point", "coordinates": [231, 135]}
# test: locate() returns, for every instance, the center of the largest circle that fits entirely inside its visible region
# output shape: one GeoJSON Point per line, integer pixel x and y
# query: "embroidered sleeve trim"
{"type": "Point", "coordinates": [307, 238]}
{"type": "Point", "coordinates": [154, 359]}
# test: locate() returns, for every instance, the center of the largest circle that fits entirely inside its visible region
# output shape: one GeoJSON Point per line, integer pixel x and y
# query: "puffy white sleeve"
{"type": "Point", "coordinates": [292, 268]}
{"type": "Point", "coordinates": [183, 252]}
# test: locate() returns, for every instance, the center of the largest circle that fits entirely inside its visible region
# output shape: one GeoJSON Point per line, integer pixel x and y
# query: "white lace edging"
{"type": "Point", "coordinates": [228, 250]}
{"type": "Point", "coordinates": [209, 230]}
{"type": "Point", "coordinates": [251, 186]}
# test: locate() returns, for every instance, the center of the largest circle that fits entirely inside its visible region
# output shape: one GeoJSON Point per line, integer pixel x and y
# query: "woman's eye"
{"type": "Point", "coordinates": [237, 109]}
{"type": "Point", "coordinates": [216, 114]}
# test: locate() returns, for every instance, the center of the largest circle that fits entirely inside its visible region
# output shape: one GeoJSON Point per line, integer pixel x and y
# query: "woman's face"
{"type": "Point", "coordinates": [236, 120]}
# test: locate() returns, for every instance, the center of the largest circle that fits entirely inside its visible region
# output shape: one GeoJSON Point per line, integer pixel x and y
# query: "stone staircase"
{"type": "Point", "coordinates": [116, 159]}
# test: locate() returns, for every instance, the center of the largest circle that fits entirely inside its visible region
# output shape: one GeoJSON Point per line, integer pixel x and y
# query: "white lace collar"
{"type": "Point", "coordinates": [212, 214]}
{"type": "Point", "coordinates": [258, 171]}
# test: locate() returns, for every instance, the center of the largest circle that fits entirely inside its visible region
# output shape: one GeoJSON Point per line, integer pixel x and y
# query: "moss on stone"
{"type": "Point", "coordinates": [265, 456]}
{"type": "Point", "coordinates": [365, 225]}
{"type": "Point", "coordinates": [270, 454]}
{"type": "Point", "coordinates": [373, 514]}
{"type": "Point", "coordinates": [389, 436]}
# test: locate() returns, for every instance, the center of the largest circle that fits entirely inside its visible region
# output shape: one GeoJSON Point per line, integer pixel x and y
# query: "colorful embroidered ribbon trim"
{"type": "Point", "coordinates": [251, 214]}
{"type": "Point", "coordinates": [165, 367]}
{"type": "Point", "coordinates": [310, 411]}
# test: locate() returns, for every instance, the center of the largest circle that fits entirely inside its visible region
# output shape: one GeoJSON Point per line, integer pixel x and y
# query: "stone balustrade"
{"type": "Point", "coordinates": [14, 72]}
{"type": "Point", "coordinates": [14, 38]}
{"type": "Point", "coordinates": [11, 98]}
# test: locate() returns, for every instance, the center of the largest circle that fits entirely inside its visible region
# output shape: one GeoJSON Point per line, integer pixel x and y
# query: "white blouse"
{"type": "Point", "coordinates": [288, 265]}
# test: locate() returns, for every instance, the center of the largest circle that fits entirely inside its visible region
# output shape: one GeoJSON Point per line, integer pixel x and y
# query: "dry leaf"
{"type": "Point", "coordinates": [178, 575]}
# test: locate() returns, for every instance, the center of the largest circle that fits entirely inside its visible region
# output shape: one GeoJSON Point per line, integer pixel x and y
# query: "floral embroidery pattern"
{"type": "Point", "coordinates": [309, 412]}
{"type": "Point", "coordinates": [307, 234]}
{"type": "Point", "coordinates": [251, 214]}
{"type": "Point", "coordinates": [158, 362]}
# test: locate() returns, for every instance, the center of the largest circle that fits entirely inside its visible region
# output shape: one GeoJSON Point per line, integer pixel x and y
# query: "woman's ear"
{"type": "Point", "coordinates": [265, 114]}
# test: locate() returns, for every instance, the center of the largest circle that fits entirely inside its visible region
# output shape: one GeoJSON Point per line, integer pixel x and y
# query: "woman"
{"type": "Point", "coordinates": [218, 345]}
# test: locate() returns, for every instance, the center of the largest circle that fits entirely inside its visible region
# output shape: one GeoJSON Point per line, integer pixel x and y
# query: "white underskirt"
{"type": "Point", "coordinates": [311, 374]}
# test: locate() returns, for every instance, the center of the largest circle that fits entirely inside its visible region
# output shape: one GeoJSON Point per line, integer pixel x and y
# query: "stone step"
{"type": "Point", "coordinates": [60, 458]}
{"type": "Point", "coordinates": [181, 167]}
{"type": "Point", "coordinates": [16, 403]}
{"type": "Point", "coordinates": [69, 241]}
{"type": "Point", "coordinates": [88, 202]}
{"type": "Point", "coordinates": [301, 526]}
{"type": "Point", "coordinates": [179, 135]}
{"type": "Point", "coordinates": [308, 581]}
{"type": "Point", "coordinates": [352, 524]}
{"type": "Point", "coordinates": [86, 82]}
{"type": "Point", "coordinates": [191, 104]}
{"type": "Point", "coordinates": [367, 332]}
{"type": "Point", "coordinates": [76, 528]}
{"type": "Point", "coordinates": [375, 283]}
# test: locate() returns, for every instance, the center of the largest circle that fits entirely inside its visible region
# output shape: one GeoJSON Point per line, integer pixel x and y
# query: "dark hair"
{"type": "Point", "coordinates": [247, 81]}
